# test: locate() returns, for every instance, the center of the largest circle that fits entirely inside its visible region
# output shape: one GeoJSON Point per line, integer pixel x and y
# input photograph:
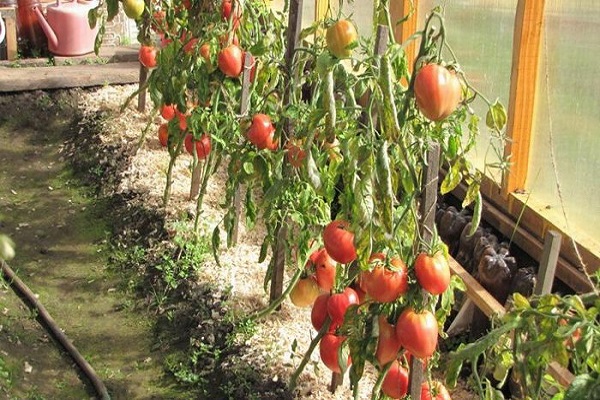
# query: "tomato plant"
{"type": "Point", "coordinates": [339, 241]}
{"type": "Point", "coordinates": [147, 56]}
{"type": "Point", "coordinates": [319, 314]}
{"type": "Point", "coordinates": [261, 132]}
{"type": "Point", "coordinates": [418, 332]}
{"type": "Point", "coordinates": [395, 383]}
{"type": "Point", "coordinates": [385, 284]}
{"type": "Point", "coordinates": [167, 111]}
{"type": "Point", "coordinates": [329, 349]}
{"type": "Point", "coordinates": [433, 272]}
{"type": "Point", "coordinates": [338, 303]}
{"type": "Point", "coordinates": [305, 292]}
{"type": "Point", "coordinates": [437, 391]}
{"type": "Point", "coordinates": [230, 61]}
{"type": "Point", "coordinates": [437, 91]}
{"type": "Point", "coordinates": [388, 344]}
{"type": "Point", "coordinates": [201, 146]}
{"type": "Point", "coordinates": [342, 38]}
{"type": "Point", "coordinates": [163, 134]}
{"type": "Point", "coordinates": [325, 271]}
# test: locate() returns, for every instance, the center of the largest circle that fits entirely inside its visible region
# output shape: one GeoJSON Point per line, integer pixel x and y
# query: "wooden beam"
{"type": "Point", "coordinates": [548, 263]}
{"type": "Point", "coordinates": [400, 9]}
{"type": "Point", "coordinates": [32, 78]}
{"type": "Point", "coordinates": [503, 213]}
{"type": "Point", "coordinates": [526, 53]}
{"type": "Point", "coordinates": [321, 7]}
{"type": "Point", "coordinates": [481, 297]}
{"type": "Point", "coordinates": [12, 50]}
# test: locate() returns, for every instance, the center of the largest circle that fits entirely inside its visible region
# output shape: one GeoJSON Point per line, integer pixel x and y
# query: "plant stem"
{"type": "Point", "coordinates": [324, 329]}
{"type": "Point", "coordinates": [277, 302]}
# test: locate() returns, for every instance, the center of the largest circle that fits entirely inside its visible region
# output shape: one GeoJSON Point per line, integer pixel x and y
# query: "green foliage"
{"type": "Point", "coordinates": [531, 336]}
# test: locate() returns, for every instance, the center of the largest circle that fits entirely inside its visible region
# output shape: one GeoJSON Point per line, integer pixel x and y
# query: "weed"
{"type": "Point", "coordinates": [5, 374]}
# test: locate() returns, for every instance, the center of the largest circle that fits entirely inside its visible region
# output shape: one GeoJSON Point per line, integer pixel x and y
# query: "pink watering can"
{"type": "Point", "coordinates": [67, 27]}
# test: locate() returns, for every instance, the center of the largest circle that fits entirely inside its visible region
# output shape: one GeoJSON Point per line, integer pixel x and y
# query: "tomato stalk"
{"type": "Point", "coordinates": [277, 302]}
{"type": "Point", "coordinates": [377, 387]}
{"type": "Point", "coordinates": [313, 344]}
{"type": "Point", "coordinates": [329, 103]}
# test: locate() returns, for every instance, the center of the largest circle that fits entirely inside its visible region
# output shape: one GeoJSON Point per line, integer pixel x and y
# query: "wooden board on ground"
{"type": "Point", "coordinates": [31, 78]}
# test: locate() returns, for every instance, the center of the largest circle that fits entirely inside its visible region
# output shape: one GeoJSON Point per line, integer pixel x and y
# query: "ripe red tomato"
{"type": "Point", "coordinates": [202, 145]}
{"type": "Point", "coordinates": [205, 52]}
{"type": "Point", "coordinates": [382, 284]}
{"type": "Point", "coordinates": [295, 154]}
{"type": "Point", "coordinates": [395, 383]}
{"type": "Point", "coordinates": [262, 132]}
{"type": "Point", "coordinates": [437, 91]}
{"type": "Point", "coordinates": [190, 45]}
{"type": "Point", "coordinates": [417, 332]}
{"type": "Point", "coordinates": [388, 344]}
{"type": "Point", "coordinates": [433, 272]}
{"type": "Point", "coordinates": [163, 134]}
{"type": "Point", "coordinates": [167, 111]}
{"type": "Point", "coordinates": [338, 303]}
{"type": "Point", "coordinates": [329, 348]}
{"type": "Point", "coordinates": [437, 391]}
{"type": "Point", "coordinates": [226, 11]}
{"type": "Point", "coordinates": [318, 314]}
{"type": "Point", "coordinates": [158, 18]}
{"type": "Point", "coordinates": [341, 38]}
{"type": "Point", "coordinates": [339, 241]}
{"type": "Point", "coordinates": [325, 270]}
{"type": "Point", "coordinates": [305, 292]}
{"type": "Point", "coordinates": [182, 121]}
{"type": "Point", "coordinates": [147, 56]}
{"type": "Point", "coordinates": [230, 61]}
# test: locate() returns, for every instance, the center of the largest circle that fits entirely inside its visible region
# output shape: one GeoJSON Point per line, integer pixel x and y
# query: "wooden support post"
{"type": "Point", "coordinates": [548, 263]}
{"type": "Point", "coordinates": [405, 9]}
{"type": "Point", "coordinates": [321, 7]}
{"type": "Point", "coordinates": [142, 94]}
{"type": "Point", "coordinates": [336, 381]}
{"type": "Point", "coordinates": [293, 34]}
{"type": "Point", "coordinates": [523, 86]}
{"type": "Point", "coordinates": [244, 106]}
{"type": "Point", "coordinates": [10, 44]}
{"type": "Point", "coordinates": [427, 210]}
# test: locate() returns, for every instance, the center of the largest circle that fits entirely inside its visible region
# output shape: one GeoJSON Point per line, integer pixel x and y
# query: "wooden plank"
{"type": "Point", "coordinates": [30, 78]}
{"type": "Point", "coordinates": [463, 319]}
{"type": "Point", "coordinates": [528, 233]}
{"type": "Point", "coordinates": [526, 51]}
{"type": "Point", "coordinates": [546, 272]}
{"type": "Point", "coordinates": [481, 297]}
{"type": "Point", "coordinates": [399, 9]}
{"type": "Point", "coordinates": [321, 7]}
{"type": "Point", "coordinates": [12, 46]}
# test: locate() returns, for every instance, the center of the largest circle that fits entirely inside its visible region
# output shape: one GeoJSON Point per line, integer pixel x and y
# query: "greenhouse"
{"type": "Point", "coordinates": [299, 199]}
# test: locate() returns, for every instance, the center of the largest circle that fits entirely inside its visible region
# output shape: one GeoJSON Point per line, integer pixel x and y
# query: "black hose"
{"type": "Point", "coordinates": [46, 319]}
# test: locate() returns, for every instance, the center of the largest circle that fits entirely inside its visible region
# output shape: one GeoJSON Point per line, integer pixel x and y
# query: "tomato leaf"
{"type": "Point", "coordinates": [583, 386]}
{"type": "Point", "coordinates": [313, 172]}
{"type": "Point", "coordinates": [496, 116]}
{"type": "Point", "coordinates": [471, 194]}
{"type": "Point", "coordinates": [216, 242]}
{"type": "Point", "coordinates": [384, 187]}
{"type": "Point", "coordinates": [264, 248]}
{"type": "Point", "coordinates": [113, 9]}
{"type": "Point", "coordinates": [452, 179]}
{"type": "Point", "coordinates": [476, 214]}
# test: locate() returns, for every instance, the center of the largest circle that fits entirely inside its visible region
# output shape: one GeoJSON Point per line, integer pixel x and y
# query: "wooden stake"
{"type": "Point", "coordinates": [548, 263]}
{"type": "Point", "coordinates": [427, 211]}
{"type": "Point", "coordinates": [336, 381]}
{"type": "Point", "coordinates": [293, 33]}
{"type": "Point", "coordinates": [244, 105]}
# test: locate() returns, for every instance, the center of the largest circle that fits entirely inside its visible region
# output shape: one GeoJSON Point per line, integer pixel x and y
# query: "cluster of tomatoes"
{"type": "Point", "coordinates": [385, 280]}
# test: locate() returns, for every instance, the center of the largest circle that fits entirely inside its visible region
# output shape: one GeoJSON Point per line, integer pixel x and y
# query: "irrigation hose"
{"type": "Point", "coordinates": [46, 319]}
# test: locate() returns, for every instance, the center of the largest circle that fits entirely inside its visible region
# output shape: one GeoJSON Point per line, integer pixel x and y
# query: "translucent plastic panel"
{"type": "Point", "coordinates": [567, 116]}
{"type": "Point", "coordinates": [481, 34]}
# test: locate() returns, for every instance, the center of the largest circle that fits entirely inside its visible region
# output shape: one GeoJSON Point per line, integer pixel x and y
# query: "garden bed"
{"type": "Point", "coordinates": [137, 175]}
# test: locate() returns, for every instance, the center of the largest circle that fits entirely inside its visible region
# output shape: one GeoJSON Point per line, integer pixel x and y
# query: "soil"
{"type": "Point", "coordinates": [61, 232]}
